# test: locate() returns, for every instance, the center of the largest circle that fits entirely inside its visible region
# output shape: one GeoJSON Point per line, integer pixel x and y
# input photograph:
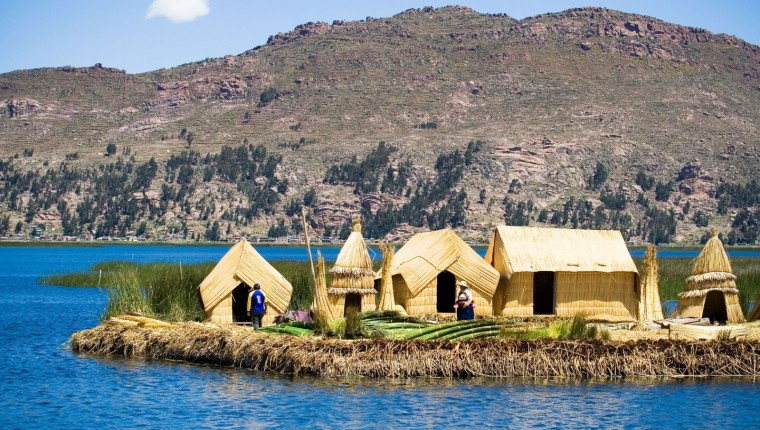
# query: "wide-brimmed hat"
{"type": "Point", "coordinates": [463, 284]}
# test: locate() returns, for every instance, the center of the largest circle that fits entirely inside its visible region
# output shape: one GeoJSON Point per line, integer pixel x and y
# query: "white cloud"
{"type": "Point", "coordinates": [178, 10]}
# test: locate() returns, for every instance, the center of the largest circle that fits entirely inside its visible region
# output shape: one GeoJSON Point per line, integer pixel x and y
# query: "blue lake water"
{"type": "Point", "coordinates": [42, 383]}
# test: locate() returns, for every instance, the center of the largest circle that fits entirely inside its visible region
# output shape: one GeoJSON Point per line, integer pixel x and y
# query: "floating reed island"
{"type": "Point", "coordinates": [536, 292]}
{"type": "Point", "coordinates": [395, 358]}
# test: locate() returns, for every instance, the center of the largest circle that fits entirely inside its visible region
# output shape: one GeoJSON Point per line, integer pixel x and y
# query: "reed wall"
{"type": "Point", "coordinates": [517, 295]}
{"type": "Point", "coordinates": [596, 294]}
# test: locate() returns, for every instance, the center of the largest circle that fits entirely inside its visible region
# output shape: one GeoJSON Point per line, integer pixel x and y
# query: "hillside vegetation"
{"type": "Point", "coordinates": [587, 118]}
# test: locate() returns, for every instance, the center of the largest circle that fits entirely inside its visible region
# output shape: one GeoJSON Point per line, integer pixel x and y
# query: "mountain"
{"type": "Point", "coordinates": [589, 118]}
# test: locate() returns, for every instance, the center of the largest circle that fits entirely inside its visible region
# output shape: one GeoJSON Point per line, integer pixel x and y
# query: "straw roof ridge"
{"type": "Point", "coordinates": [703, 292]}
{"type": "Point", "coordinates": [711, 276]}
{"type": "Point", "coordinates": [353, 271]}
{"type": "Point", "coordinates": [344, 291]}
{"type": "Point", "coordinates": [354, 253]}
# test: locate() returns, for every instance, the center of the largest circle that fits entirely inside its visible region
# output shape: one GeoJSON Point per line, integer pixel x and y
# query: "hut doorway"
{"type": "Point", "coordinates": [543, 293]}
{"type": "Point", "coordinates": [353, 303]}
{"type": "Point", "coordinates": [240, 303]}
{"type": "Point", "coordinates": [446, 292]}
{"type": "Point", "coordinates": [715, 307]}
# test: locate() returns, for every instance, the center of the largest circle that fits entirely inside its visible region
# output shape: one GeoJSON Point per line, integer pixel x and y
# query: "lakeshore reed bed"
{"type": "Point", "coordinates": [500, 358]}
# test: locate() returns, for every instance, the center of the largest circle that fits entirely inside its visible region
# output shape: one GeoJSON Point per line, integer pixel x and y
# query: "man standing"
{"type": "Point", "coordinates": [257, 306]}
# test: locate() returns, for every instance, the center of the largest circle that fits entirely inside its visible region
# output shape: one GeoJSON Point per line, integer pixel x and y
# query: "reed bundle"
{"type": "Point", "coordinates": [650, 307]}
{"type": "Point", "coordinates": [321, 300]}
{"type": "Point", "coordinates": [387, 301]}
{"type": "Point", "coordinates": [501, 358]}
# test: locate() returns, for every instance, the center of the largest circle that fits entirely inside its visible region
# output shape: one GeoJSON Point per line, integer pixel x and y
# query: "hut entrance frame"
{"type": "Point", "coordinates": [715, 307]}
{"type": "Point", "coordinates": [446, 292]}
{"type": "Point", "coordinates": [240, 302]}
{"type": "Point", "coordinates": [544, 302]}
{"type": "Point", "coordinates": [353, 303]}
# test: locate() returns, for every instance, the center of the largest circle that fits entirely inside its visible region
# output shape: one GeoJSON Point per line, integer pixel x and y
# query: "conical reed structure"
{"type": "Point", "coordinates": [650, 307]}
{"type": "Point", "coordinates": [387, 302]}
{"type": "Point", "coordinates": [710, 291]}
{"type": "Point", "coordinates": [352, 276]}
{"type": "Point", "coordinates": [321, 300]}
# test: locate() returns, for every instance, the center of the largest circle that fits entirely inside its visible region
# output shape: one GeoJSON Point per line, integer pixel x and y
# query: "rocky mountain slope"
{"type": "Point", "coordinates": [585, 118]}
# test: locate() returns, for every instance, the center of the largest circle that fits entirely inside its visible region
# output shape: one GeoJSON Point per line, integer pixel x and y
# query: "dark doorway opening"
{"type": "Point", "coordinates": [715, 307]}
{"type": "Point", "coordinates": [446, 292]}
{"type": "Point", "coordinates": [240, 303]}
{"type": "Point", "coordinates": [353, 303]}
{"type": "Point", "coordinates": [543, 293]}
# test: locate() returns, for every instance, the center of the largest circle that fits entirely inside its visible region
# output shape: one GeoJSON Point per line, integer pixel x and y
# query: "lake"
{"type": "Point", "coordinates": [44, 384]}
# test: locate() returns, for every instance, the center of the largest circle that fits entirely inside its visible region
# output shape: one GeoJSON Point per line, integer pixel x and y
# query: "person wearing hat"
{"type": "Point", "coordinates": [464, 305]}
{"type": "Point", "coordinates": [257, 306]}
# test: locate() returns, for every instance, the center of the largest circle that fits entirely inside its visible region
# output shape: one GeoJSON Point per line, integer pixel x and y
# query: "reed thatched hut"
{"type": "Point", "coordinates": [710, 291]}
{"type": "Point", "coordinates": [352, 284]}
{"type": "Point", "coordinates": [563, 272]}
{"type": "Point", "coordinates": [426, 269]}
{"type": "Point", "coordinates": [224, 291]}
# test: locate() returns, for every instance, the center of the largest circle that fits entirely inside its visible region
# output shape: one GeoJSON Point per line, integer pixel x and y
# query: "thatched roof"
{"type": "Point", "coordinates": [712, 258]}
{"type": "Point", "coordinates": [242, 264]}
{"type": "Point", "coordinates": [533, 249]}
{"type": "Point", "coordinates": [353, 258]}
{"type": "Point", "coordinates": [711, 271]}
{"type": "Point", "coordinates": [352, 272]}
{"type": "Point", "coordinates": [426, 255]}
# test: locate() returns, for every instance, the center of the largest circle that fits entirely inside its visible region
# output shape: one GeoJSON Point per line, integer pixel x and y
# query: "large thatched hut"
{"type": "Point", "coordinates": [225, 290]}
{"type": "Point", "coordinates": [563, 272]}
{"type": "Point", "coordinates": [352, 283]}
{"type": "Point", "coordinates": [710, 291]}
{"type": "Point", "coordinates": [425, 271]}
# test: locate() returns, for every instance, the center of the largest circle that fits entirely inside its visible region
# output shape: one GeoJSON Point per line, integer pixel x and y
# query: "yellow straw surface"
{"type": "Point", "coordinates": [387, 302]}
{"type": "Point", "coordinates": [650, 307]}
{"type": "Point", "coordinates": [322, 302]}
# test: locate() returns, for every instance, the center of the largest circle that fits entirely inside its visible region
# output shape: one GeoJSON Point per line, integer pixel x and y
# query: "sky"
{"type": "Point", "coordinates": [144, 35]}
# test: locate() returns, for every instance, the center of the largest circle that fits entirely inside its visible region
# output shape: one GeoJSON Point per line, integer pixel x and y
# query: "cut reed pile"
{"type": "Point", "coordinates": [240, 347]}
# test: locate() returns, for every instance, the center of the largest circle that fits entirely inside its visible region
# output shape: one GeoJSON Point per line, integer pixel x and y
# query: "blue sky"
{"type": "Point", "coordinates": [144, 35]}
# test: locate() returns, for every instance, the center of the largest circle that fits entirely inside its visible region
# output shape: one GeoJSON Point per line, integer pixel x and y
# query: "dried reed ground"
{"type": "Point", "coordinates": [240, 347]}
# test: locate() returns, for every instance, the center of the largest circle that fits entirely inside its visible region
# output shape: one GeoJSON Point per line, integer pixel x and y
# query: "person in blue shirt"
{"type": "Point", "coordinates": [257, 306]}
